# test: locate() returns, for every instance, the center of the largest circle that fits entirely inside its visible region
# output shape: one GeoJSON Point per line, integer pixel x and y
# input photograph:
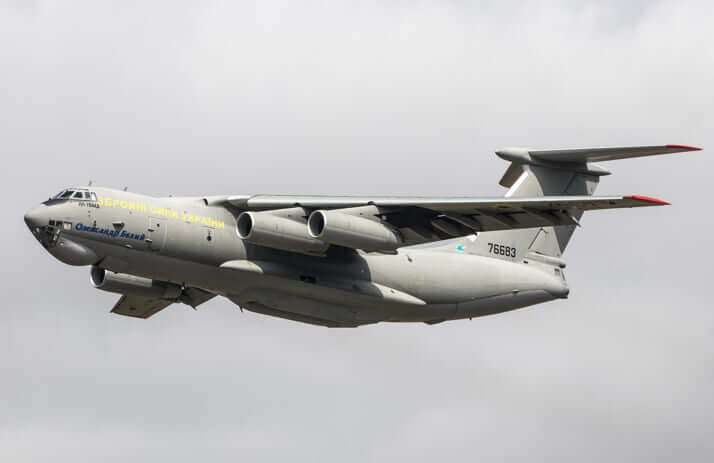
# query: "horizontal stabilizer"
{"type": "Point", "coordinates": [586, 155]}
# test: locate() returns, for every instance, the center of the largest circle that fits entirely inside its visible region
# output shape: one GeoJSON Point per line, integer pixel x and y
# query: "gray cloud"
{"type": "Point", "coordinates": [404, 98]}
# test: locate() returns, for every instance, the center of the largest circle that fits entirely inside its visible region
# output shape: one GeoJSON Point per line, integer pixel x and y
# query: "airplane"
{"type": "Point", "coordinates": [340, 261]}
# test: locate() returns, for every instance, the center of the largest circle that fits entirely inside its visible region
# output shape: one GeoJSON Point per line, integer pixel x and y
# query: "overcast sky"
{"type": "Point", "coordinates": [193, 98]}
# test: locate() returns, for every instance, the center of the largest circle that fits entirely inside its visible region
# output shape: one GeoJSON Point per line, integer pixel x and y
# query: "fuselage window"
{"type": "Point", "coordinates": [93, 197]}
{"type": "Point", "coordinates": [77, 195]}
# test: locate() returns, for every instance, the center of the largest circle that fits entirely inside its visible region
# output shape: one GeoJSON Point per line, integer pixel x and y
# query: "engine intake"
{"type": "Point", "coordinates": [354, 228]}
{"type": "Point", "coordinates": [133, 285]}
{"type": "Point", "coordinates": [284, 229]}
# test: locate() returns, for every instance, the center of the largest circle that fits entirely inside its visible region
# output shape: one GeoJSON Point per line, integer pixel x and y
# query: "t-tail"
{"type": "Point", "coordinates": [559, 172]}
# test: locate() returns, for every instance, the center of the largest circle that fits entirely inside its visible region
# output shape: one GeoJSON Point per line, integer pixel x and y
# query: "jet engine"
{"type": "Point", "coordinates": [356, 228]}
{"type": "Point", "coordinates": [283, 229]}
{"type": "Point", "coordinates": [133, 285]}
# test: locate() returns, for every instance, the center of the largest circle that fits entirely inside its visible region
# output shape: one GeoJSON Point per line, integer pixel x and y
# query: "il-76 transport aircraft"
{"type": "Point", "coordinates": [340, 261]}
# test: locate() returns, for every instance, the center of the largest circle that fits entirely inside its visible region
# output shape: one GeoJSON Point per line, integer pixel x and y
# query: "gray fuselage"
{"type": "Point", "coordinates": [190, 242]}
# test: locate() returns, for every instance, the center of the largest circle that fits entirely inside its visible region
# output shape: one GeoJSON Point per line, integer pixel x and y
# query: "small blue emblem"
{"type": "Point", "coordinates": [460, 247]}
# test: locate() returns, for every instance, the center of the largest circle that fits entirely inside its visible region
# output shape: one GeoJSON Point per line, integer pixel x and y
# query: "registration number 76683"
{"type": "Point", "coordinates": [501, 250]}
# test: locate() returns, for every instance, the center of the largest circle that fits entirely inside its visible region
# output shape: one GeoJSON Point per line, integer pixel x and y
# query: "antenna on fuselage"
{"type": "Point", "coordinates": [125, 188]}
{"type": "Point", "coordinates": [90, 183]}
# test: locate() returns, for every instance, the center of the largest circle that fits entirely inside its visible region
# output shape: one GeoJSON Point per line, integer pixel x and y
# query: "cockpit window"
{"type": "Point", "coordinates": [83, 195]}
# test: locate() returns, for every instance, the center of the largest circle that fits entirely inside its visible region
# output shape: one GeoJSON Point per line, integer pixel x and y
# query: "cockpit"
{"type": "Point", "coordinates": [77, 194]}
{"type": "Point", "coordinates": [56, 214]}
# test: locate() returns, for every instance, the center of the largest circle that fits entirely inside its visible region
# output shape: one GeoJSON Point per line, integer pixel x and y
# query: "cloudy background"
{"type": "Point", "coordinates": [190, 98]}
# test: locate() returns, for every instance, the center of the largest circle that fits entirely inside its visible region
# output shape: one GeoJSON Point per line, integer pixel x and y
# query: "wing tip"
{"type": "Point", "coordinates": [684, 147]}
{"type": "Point", "coordinates": [648, 199]}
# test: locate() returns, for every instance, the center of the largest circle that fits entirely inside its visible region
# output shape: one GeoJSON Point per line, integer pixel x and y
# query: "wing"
{"type": "Point", "coordinates": [422, 219]}
{"type": "Point", "coordinates": [463, 204]}
{"type": "Point", "coordinates": [387, 222]}
{"type": "Point", "coordinates": [145, 307]}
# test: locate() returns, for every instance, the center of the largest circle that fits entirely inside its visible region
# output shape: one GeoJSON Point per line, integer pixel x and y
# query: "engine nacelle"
{"type": "Point", "coordinates": [284, 229]}
{"type": "Point", "coordinates": [132, 285]}
{"type": "Point", "coordinates": [353, 229]}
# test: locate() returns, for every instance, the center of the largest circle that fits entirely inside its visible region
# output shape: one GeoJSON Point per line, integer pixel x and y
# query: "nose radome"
{"type": "Point", "coordinates": [36, 217]}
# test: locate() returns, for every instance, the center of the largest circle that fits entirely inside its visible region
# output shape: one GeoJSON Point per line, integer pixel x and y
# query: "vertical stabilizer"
{"type": "Point", "coordinates": [546, 181]}
{"type": "Point", "coordinates": [556, 172]}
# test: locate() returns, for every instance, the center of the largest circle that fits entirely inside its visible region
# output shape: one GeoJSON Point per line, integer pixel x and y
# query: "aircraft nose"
{"type": "Point", "coordinates": [37, 217]}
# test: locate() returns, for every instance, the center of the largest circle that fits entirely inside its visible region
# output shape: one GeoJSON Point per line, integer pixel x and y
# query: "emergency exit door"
{"type": "Point", "coordinates": [156, 233]}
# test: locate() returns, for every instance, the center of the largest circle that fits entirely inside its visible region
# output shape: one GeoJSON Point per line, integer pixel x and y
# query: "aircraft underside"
{"type": "Point", "coordinates": [313, 293]}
